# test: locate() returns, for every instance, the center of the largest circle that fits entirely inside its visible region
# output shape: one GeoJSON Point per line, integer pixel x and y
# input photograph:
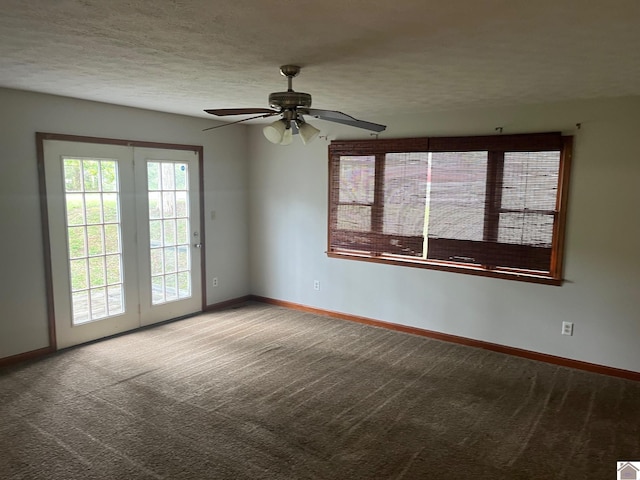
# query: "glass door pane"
{"type": "Point", "coordinates": [92, 201]}
{"type": "Point", "coordinates": [169, 227]}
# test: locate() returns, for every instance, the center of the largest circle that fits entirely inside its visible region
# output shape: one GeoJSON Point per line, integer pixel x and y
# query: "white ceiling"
{"type": "Point", "coordinates": [368, 58]}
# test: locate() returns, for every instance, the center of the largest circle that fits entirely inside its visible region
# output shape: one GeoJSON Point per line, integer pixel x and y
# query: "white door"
{"type": "Point", "coordinates": [169, 256]}
{"type": "Point", "coordinates": [124, 241]}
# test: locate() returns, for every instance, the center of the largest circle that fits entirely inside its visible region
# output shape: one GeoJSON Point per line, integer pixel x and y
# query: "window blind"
{"type": "Point", "coordinates": [492, 203]}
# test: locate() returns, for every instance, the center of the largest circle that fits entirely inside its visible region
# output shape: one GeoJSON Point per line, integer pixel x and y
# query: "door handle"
{"type": "Point", "coordinates": [197, 245]}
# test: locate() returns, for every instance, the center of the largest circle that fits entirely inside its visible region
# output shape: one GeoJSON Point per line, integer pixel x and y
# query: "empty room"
{"type": "Point", "coordinates": [319, 240]}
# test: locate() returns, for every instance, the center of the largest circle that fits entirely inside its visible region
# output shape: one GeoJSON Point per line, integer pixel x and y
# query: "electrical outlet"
{"type": "Point", "coordinates": [567, 328]}
{"type": "Point", "coordinates": [215, 281]}
{"type": "Point", "coordinates": [316, 284]}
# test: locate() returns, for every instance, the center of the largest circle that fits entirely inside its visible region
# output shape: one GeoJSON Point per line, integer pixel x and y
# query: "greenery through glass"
{"type": "Point", "coordinates": [169, 241]}
{"type": "Point", "coordinates": [93, 236]}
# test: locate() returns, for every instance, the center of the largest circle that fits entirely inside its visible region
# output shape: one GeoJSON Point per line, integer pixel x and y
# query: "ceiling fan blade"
{"type": "Point", "coordinates": [329, 114]}
{"type": "Point", "coordinates": [223, 112]}
{"type": "Point", "coordinates": [343, 118]}
{"type": "Point", "coordinates": [243, 120]}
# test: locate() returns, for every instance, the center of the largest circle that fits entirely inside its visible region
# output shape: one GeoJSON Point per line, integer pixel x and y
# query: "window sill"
{"type": "Point", "coordinates": [517, 275]}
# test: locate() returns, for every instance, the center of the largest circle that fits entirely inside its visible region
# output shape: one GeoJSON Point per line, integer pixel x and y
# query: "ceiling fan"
{"type": "Point", "coordinates": [292, 106]}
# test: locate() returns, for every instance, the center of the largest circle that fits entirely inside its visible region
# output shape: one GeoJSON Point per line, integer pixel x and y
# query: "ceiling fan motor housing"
{"type": "Point", "coordinates": [284, 100]}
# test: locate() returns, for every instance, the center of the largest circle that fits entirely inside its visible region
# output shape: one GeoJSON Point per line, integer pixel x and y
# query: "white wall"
{"type": "Point", "coordinates": [23, 318]}
{"type": "Point", "coordinates": [601, 295]}
{"type": "Point", "coordinates": [283, 192]}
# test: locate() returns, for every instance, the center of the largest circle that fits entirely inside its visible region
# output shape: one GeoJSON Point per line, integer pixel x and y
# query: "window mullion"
{"type": "Point", "coordinates": [377, 210]}
{"type": "Point", "coordinates": [493, 200]}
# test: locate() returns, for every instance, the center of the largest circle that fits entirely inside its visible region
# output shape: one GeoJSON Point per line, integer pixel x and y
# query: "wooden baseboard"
{"type": "Point", "coordinates": [227, 303]}
{"type": "Point", "coordinates": [518, 352]}
{"type": "Point", "coordinates": [23, 357]}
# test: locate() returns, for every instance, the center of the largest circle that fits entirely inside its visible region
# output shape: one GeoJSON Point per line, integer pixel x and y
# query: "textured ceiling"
{"type": "Point", "coordinates": [368, 58]}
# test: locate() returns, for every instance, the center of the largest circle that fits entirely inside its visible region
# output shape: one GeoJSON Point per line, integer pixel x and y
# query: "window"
{"type": "Point", "coordinates": [492, 205]}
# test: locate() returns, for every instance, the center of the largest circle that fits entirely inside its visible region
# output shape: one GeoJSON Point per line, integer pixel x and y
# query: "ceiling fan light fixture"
{"type": "Point", "coordinates": [275, 131]}
{"type": "Point", "coordinates": [307, 132]}
{"type": "Point", "coordinates": [287, 137]}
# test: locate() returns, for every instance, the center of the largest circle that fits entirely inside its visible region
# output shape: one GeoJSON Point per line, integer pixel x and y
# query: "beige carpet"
{"type": "Point", "coordinates": [262, 392]}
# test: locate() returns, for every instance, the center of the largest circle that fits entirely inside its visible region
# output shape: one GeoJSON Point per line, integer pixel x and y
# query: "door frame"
{"type": "Point", "coordinates": [44, 212]}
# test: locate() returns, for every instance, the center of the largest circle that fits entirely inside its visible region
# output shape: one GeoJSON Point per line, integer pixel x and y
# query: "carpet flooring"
{"type": "Point", "coordinates": [263, 392]}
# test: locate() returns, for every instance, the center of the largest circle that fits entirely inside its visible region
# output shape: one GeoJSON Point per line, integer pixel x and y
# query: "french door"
{"type": "Point", "coordinates": [124, 231]}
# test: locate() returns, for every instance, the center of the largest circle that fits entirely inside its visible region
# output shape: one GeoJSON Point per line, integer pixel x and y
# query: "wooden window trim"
{"type": "Point", "coordinates": [520, 275]}
{"type": "Point", "coordinates": [494, 145]}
